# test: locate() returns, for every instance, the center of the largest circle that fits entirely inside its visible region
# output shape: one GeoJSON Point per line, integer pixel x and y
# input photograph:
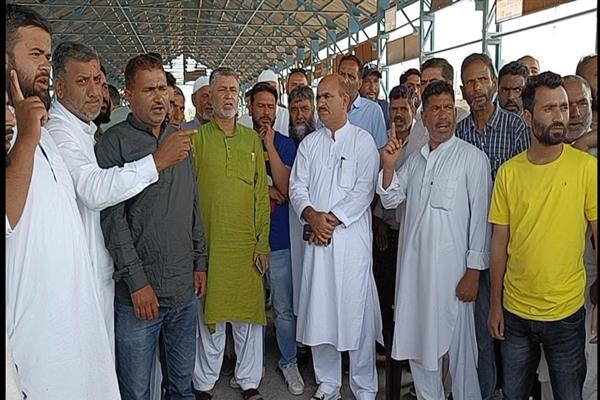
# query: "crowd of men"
{"type": "Point", "coordinates": [135, 241]}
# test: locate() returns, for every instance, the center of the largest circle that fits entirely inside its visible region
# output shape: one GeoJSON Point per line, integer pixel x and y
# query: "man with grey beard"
{"type": "Point", "coordinates": [579, 131]}
{"type": "Point", "coordinates": [302, 113]}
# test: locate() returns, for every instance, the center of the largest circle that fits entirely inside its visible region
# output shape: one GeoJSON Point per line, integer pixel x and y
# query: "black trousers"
{"type": "Point", "coordinates": [384, 271]}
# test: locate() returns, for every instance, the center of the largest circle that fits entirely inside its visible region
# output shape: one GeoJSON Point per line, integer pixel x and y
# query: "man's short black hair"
{"type": "Point", "coordinates": [447, 69]}
{"type": "Point", "coordinates": [115, 97]}
{"type": "Point", "coordinates": [298, 71]}
{"type": "Point", "coordinates": [171, 81]}
{"type": "Point", "coordinates": [514, 68]}
{"type": "Point", "coordinates": [484, 58]}
{"type": "Point", "coordinates": [262, 87]}
{"type": "Point", "coordinates": [18, 16]}
{"type": "Point", "coordinates": [409, 72]}
{"type": "Point", "coordinates": [546, 79]}
{"type": "Point", "coordinates": [403, 92]}
{"type": "Point", "coordinates": [354, 59]}
{"type": "Point", "coordinates": [435, 89]}
{"type": "Point", "coordinates": [583, 62]}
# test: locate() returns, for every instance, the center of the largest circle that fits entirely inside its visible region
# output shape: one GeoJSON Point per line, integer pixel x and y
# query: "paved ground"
{"type": "Point", "coordinates": [273, 386]}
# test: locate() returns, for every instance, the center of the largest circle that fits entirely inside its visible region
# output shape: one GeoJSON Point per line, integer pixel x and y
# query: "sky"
{"type": "Point", "coordinates": [558, 46]}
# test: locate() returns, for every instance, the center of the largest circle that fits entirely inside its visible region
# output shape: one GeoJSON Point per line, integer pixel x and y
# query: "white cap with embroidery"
{"type": "Point", "coordinates": [200, 83]}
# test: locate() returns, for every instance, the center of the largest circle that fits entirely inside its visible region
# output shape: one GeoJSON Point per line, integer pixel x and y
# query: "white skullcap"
{"type": "Point", "coordinates": [267, 76]}
{"type": "Point", "coordinates": [200, 83]}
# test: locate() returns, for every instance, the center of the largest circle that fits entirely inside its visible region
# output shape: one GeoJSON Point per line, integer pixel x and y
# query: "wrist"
{"type": "Point", "coordinates": [389, 167]}
{"type": "Point", "coordinates": [158, 162]}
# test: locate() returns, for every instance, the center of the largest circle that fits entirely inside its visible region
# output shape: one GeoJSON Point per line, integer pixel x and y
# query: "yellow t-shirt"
{"type": "Point", "coordinates": [547, 208]}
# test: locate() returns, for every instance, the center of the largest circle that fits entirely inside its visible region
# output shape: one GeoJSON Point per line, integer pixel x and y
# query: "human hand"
{"type": "Point", "coordinates": [276, 195]}
{"type": "Point", "coordinates": [391, 152]}
{"type": "Point", "coordinates": [496, 322]}
{"type": "Point", "coordinates": [468, 286]}
{"type": "Point", "coordinates": [30, 112]}
{"type": "Point", "coordinates": [263, 260]}
{"type": "Point", "coordinates": [200, 280]}
{"type": "Point", "coordinates": [267, 134]}
{"type": "Point", "coordinates": [173, 149]}
{"type": "Point", "coordinates": [145, 303]}
{"type": "Point", "coordinates": [322, 225]}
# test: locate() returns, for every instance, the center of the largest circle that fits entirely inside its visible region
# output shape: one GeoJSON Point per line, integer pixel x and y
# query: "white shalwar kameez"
{"type": "Point", "coordinates": [54, 317]}
{"type": "Point", "coordinates": [96, 189]}
{"type": "Point", "coordinates": [338, 305]}
{"type": "Point", "coordinates": [447, 194]}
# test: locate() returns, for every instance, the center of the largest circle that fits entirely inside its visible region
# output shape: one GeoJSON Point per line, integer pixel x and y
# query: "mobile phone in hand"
{"type": "Point", "coordinates": [306, 232]}
{"type": "Point", "coordinates": [259, 266]}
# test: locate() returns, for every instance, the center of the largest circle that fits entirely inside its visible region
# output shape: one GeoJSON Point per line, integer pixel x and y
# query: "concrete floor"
{"type": "Point", "coordinates": [273, 386]}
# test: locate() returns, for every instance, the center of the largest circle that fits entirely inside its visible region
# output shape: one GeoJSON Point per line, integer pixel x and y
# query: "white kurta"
{"type": "Point", "coordinates": [337, 287]}
{"type": "Point", "coordinates": [54, 318]}
{"type": "Point", "coordinates": [447, 194]}
{"type": "Point", "coordinates": [96, 189]}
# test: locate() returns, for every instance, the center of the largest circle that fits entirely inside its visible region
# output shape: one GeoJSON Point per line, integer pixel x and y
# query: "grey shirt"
{"type": "Point", "coordinates": [156, 237]}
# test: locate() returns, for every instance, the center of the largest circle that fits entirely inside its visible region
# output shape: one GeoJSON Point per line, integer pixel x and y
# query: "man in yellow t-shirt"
{"type": "Point", "coordinates": [542, 202]}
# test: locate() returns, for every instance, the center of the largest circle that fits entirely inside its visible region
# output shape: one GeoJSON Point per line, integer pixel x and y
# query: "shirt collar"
{"type": "Point", "coordinates": [61, 111]}
{"type": "Point", "coordinates": [358, 102]}
{"type": "Point", "coordinates": [343, 128]}
{"type": "Point", "coordinates": [494, 120]}
{"type": "Point", "coordinates": [425, 151]}
{"type": "Point", "coordinates": [139, 125]}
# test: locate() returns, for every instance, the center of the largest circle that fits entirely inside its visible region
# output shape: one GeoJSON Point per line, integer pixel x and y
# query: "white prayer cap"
{"type": "Point", "coordinates": [200, 83]}
{"type": "Point", "coordinates": [267, 76]}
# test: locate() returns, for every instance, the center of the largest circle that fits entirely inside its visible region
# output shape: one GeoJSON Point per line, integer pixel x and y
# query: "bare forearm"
{"type": "Point", "coordinates": [499, 258]}
{"type": "Point", "coordinates": [280, 172]}
{"type": "Point", "coordinates": [308, 213]}
{"type": "Point", "coordinates": [18, 179]}
{"type": "Point", "coordinates": [388, 176]}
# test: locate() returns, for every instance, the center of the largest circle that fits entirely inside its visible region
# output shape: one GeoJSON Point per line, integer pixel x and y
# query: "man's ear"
{"type": "Point", "coordinates": [59, 88]}
{"type": "Point", "coordinates": [528, 118]}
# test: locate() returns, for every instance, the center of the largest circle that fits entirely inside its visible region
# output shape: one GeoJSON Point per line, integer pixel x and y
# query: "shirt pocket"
{"type": "Point", "coordinates": [443, 193]}
{"type": "Point", "coordinates": [347, 173]}
{"type": "Point", "coordinates": [243, 165]}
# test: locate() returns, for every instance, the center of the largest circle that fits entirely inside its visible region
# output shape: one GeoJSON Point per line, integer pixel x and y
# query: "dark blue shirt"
{"type": "Point", "coordinates": [385, 107]}
{"type": "Point", "coordinates": [505, 135]}
{"type": "Point", "coordinates": [279, 237]}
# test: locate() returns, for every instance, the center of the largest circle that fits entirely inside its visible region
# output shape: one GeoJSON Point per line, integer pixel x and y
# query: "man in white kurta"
{"type": "Point", "coordinates": [54, 319]}
{"type": "Point", "coordinates": [333, 180]}
{"type": "Point", "coordinates": [446, 185]}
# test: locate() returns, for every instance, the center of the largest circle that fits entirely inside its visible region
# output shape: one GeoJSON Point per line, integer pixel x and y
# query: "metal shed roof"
{"type": "Point", "coordinates": [247, 35]}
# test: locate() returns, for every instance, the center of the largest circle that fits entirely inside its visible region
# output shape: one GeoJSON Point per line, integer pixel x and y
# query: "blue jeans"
{"type": "Point", "coordinates": [280, 280]}
{"type": "Point", "coordinates": [486, 365]}
{"type": "Point", "coordinates": [564, 345]}
{"type": "Point", "coordinates": [136, 343]}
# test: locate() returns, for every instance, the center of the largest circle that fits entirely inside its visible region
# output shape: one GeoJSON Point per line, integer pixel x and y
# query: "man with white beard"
{"type": "Point", "coordinates": [446, 185]}
{"type": "Point", "coordinates": [331, 188]}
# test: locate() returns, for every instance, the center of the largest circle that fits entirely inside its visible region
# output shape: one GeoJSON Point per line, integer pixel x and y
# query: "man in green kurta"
{"type": "Point", "coordinates": [234, 199]}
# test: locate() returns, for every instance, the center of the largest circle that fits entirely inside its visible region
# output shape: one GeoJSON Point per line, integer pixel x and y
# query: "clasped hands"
{"type": "Point", "coordinates": [322, 224]}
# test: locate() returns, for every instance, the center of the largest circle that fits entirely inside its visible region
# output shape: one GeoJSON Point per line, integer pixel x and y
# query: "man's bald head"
{"type": "Point", "coordinates": [340, 81]}
{"type": "Point", "coordinates": [333, 98]}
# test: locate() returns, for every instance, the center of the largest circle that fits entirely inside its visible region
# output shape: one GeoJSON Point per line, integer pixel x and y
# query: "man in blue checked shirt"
{"type": "Point", "coordinates": [501, 135]}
